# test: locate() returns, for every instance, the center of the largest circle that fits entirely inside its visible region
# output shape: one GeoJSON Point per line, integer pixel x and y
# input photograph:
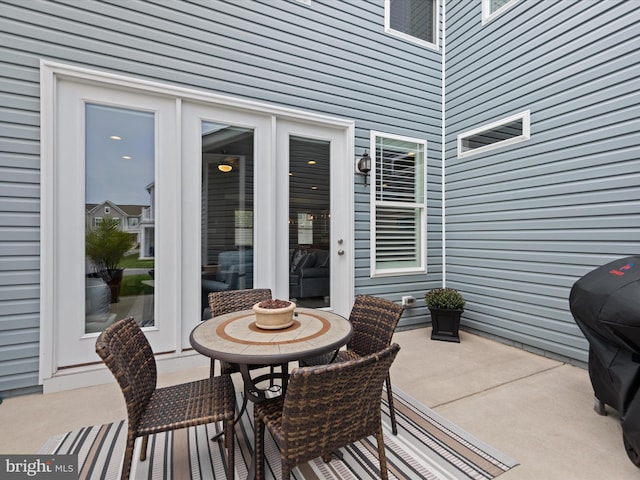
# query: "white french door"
{"type": "Point", "coordinates": [240, 200]}
{"type": "Point", "coordinates": [114, 162]}
{"type": "Point", "coordinates": [198, 193]}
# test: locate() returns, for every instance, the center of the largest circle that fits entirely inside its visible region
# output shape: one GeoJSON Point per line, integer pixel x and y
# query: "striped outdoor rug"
{"type": "Point", "coordinates": [427, 447]}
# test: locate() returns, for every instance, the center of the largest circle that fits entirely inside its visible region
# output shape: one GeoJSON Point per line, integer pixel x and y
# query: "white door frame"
{"type": "Point", "coordinates": [51, 73]}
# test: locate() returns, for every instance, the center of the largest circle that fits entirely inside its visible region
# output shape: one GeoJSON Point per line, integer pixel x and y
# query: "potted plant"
{"type": "Point", "coordinates": [274, 314]}
{"type": "Point", "coordinates": [446, 307]}
{"type": "Point", "coordinates": [105, 246]}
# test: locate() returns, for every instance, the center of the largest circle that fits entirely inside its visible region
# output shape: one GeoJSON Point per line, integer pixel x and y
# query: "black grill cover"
{"type": "Point", "coordinates": [605, 304]}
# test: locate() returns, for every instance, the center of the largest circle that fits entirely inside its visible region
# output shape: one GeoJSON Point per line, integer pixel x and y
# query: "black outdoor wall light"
{"type": "Point", "coordinates": [364, 166]}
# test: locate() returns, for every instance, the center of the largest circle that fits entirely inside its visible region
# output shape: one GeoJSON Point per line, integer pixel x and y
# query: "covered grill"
{"type": "Point", "coordinates": [605, 304]}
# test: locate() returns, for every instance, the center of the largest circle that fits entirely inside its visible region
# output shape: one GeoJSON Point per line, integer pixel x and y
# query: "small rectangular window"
{"type": "Point", "coordinates": [499, 134]}
{"type": "Point", "coordinates": [413, 20]}
{"type": "Point", "coordinates": [398, 205]}
{"type": "Point", "coordinates": [494, 8]}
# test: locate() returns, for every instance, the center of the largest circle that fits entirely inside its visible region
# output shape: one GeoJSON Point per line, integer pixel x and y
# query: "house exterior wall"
{"type": "Point", "coordinates": [524, 222]}
{"type": "Point", "coordinates": [328, 57]}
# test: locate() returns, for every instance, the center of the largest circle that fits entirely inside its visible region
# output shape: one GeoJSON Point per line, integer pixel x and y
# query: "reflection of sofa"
{"type": "Point", "coordinates": [234, 271]}
{"type": "Point", "coordinates": [97, 296]}
{"type": "Point", "coordinates": [308, 273]}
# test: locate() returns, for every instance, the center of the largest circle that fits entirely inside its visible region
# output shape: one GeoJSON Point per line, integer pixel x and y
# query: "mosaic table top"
{"type": "Point", "coordinates": [235, 338]}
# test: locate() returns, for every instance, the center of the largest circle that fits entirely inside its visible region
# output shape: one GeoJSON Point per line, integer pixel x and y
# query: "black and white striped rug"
{"type": "Point", "coordinates": [427, 447]}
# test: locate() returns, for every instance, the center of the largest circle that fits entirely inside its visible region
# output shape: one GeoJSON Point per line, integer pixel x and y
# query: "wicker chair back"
{"type": "Point", "coordinates": [229, 301]}
{"type": "Point", "coordinates": [326, 407]}
{"type": "Point", "coordinates": [374, 320]}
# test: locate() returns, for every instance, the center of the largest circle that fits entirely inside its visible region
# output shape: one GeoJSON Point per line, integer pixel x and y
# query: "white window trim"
{"type": "Point", "coordinates": [526, 134]}
{"type": "Point", "coordinates": [387, 28]}
{"type": "Point", "coordinates": [488, 17]}
{"type": "Point", "coordinates": [393, 272]}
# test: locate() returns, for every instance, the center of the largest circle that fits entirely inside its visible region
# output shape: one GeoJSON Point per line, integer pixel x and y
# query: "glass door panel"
{"type": "Point", "coordinates": [227, 209]}
{"type": "Point", "coordinates": [309, 221]}
{"type": "Point", "coordinates": [119, 218]}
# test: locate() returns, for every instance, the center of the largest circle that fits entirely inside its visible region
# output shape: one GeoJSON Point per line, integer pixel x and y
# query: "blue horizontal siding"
{"type": "Point", "coordinates": [330, 57]}
{"type": "Point", "coordinates": [526, 221]}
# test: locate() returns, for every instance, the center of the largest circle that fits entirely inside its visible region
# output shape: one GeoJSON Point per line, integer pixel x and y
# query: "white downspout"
{"type": "Point", "coordinates": [443, 146]}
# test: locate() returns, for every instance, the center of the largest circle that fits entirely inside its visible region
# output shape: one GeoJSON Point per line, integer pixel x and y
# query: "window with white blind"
{"type": "Point", "coordinates": [494, 8]}
{"type": "Point", "coordinates": [398, 199]}
{"type": "Point", "coordinates": [413, 20]}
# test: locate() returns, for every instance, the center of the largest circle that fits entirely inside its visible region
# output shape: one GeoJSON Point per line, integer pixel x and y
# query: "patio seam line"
{"type": "Point", "coordinates": [493, 387]}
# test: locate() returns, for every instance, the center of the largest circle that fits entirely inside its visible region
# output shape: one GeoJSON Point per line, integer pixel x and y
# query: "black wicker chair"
{"type": "Point", "coordinates": [326, 407]}
{"type": "Point", "coordinates": [126, 351]}
{"type": "Point", "coordinates": [374, 321]}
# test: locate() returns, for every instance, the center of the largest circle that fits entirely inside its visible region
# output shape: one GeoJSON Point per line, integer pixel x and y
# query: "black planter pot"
{"type": "Point", "coordinates": [113, 278]}
{"type": "Point", "coordinates": [115, 282]}
{"type": "Point", "coordinates": [445, 324]}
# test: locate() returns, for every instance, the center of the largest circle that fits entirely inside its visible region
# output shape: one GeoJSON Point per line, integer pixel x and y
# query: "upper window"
{"type": "Point", "coordinates": [398, 205]}
{"type": "Point", "coordinates": [507, 131]}
{"type": "Point", "coordinates": [494, 8]}
{"type": "Point", "coordinates": [414, 20]}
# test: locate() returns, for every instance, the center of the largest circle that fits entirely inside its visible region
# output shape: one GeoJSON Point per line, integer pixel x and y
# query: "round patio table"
{"type": "Point", "coordinates": [235, 338]}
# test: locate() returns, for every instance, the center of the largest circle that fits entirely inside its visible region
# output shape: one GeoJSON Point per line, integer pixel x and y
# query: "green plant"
{"type": "Point", "coordinates": [445, 298]}
{"type": "Point", "coordinates": [106, 244]}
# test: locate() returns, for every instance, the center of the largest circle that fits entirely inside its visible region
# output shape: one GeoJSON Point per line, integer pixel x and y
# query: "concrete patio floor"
{"type": "Point", "coordinates": [535, 409]}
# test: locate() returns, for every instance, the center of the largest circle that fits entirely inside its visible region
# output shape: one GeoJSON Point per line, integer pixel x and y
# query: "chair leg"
{"type": "Point", "coordinates": [259, 447]}
{"type": "Point", "coordinates": [242, 410]}
{"type": "Point", "coordinates": [230, 441]}
{"type": "Point", "coordinates": [143, 448]}
{"type": "Point", "coordinates": [384, 475]}
{"type": "Point", "coordinates": [286, 473]}
{"type": "Point", "coordinates": [128, 457]}
{"type": "Point", "coordinates": [392, 408]}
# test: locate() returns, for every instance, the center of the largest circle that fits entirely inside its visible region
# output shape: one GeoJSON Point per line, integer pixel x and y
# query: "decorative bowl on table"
{"type": "Point", "coordinates": [274, 314]}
